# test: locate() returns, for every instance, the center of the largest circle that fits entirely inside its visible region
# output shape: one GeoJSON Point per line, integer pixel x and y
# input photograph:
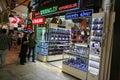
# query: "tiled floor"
{"type": "Point", "coordinates": [30, 71]}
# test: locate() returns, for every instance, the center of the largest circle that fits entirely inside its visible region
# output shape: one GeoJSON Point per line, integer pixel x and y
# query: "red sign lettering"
{"type": "Point", "coordinates": [68, 6]}
{"type": "Point", "coordinates": [37, 14]}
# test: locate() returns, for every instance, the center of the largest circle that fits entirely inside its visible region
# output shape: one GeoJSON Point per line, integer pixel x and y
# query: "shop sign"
{"type": "Point", "coordinates": [49, 10]}
{"type": "Point", "coordinates": [37, 13]}
{"type": "Point", "coordinates": [86, 13]}
{"type": "Point", "coordinates": [40, 20]}
{"type": "Point", "coordinates": [69, 6]}
{"type": "Point", "coordinates": [60, 8]}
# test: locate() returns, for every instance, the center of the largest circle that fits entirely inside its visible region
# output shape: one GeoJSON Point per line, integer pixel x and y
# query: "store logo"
{"type": "Point", "coordinates": [70, 16]}
{"type": "Point", "coordinates": [60, 8]}
{"type": "Point", "coordinates": [87, 13]}
{"type": "Point", "coordinates": [49, 10]}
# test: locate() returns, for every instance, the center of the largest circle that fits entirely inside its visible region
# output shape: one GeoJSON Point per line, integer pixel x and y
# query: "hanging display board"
{"type": "Point", "coordinates": [59, 8]}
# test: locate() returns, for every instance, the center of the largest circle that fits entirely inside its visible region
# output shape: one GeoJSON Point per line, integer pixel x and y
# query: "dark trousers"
{"type": "Point", "coordinates": [23, 58]}
{"type": "Point", "coordinates": [31, 50]}
{"type": "Point", "coordinates": [23, 54]}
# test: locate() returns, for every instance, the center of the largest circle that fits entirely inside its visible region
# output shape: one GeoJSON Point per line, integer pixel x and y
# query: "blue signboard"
{"type": "Point", "coordinates": [86, 13]}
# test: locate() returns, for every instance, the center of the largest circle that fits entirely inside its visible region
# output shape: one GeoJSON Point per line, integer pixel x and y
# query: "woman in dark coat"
{"type": "Point", "coordinates": [24, 49]}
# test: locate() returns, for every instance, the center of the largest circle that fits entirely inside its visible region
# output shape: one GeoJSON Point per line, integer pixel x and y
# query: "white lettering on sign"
{"type": "Point", "coordinates": [38, 21]}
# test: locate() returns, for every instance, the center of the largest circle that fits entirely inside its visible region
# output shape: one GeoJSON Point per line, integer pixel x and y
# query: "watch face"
{"type": "Point", "coordinates": [98, 20]}
{"type": "Point", "coordinates": [95, 20]}
{"type": "Point", "coordinates": [101, 20]}
{"type": "Point", "coordinates": [94, 27]}
{"type": "Point", "coordinates": [100, 27]}
{"type": "Point", "coordinates": [99, 33]}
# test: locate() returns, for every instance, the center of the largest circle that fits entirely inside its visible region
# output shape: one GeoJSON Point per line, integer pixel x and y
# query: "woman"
{"type": "Point", "coordinates": [24, 48]}
{"type": "Point", "coordinates": [32, 43]}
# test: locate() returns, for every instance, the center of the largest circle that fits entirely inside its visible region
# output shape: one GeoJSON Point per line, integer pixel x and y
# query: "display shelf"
{"type": "Point", "coordinates": [57, 40]}
{"type": "Point", "coordinates": [92, 77]}
{"type": "Point", "coordinates": [59, 45]}
{"type": "Point", "coordinates": [78, 63]}
{"type": "Point", "coordinates": [80, 50]}
{"type": "Point", "coordinates": [51, 57]}
{"type": "Point", "coordinates": [94, 64]}
{"type": "Point", "coordinates": [54, 57]}
{"type": "Point", "coordinates": [74, 54]}
{"type": "Point", "coordinates": [96, 40]}
{"type": "Point", "coordinates": [82, 45]}
{"type": "Point", "coordinates": [42, 58]}
{"type": "Point", "coordinates": [74, 72]}
{"type": "Point", "coordinates": [94, 58]}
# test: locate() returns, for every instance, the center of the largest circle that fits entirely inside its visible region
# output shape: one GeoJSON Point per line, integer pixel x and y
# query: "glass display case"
{"type": "Point", "coordinates": [96, 48]}
{"type": "Point", "coordinates": [53, 42]}
{"type": "Point", "coordinates": [77, 63]}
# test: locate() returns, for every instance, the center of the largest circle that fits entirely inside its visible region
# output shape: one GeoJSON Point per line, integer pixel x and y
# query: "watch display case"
{"type": "Point", "coordinates": [79, 50]}
{"type": "Point", "coordinates": [95, 45]}
{"type": "Point", "coordinates": [58, 40]}
{"type": "Point", "coordinates": [96, 49]}
{"type": "Point", "coordinates": [55, 41]}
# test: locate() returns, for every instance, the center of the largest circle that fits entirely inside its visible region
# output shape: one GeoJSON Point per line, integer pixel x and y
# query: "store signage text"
{"type": "Point", "coordinates": [60, 8]}
{"type": "Point", "coordinates": [40, 20]}
{"type": "Point", "coordinates": [37, 13]}
{"type": "Point", "coordinates": [68, 6]}
{"type": "Point", "coordinates": [49, 10]}
{"type": "Point", "coordinates": [87, 13]}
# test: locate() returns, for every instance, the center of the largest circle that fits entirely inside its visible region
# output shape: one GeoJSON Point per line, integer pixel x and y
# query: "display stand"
{"type": "Point", "coordinates": [51, 49]}
{"type": "Point", "coordinates": [96, 57]}
{"type": "Point", "coordinates": [41, 58]}
{"type": "Point", "coordinates": [74, 72]}
{"type": "Point", "coordinates": [77, 65]}
{"type": "Point", "coordinates": [77, 70]}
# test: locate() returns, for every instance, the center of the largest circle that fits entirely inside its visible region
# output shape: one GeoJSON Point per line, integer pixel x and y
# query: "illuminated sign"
{"type": "Point", "coordinates": [37, 13]}
{"type": "Point", "coordinates": [40, 20]}
{"type": "Point", "coordinates": [49, 10]}
{"type": "Point", "coordinates": [60, 8]}
{"type": "Point", "coordinates": [86, 13]}
{"type": "Point", "coordinates": [68, 6]}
